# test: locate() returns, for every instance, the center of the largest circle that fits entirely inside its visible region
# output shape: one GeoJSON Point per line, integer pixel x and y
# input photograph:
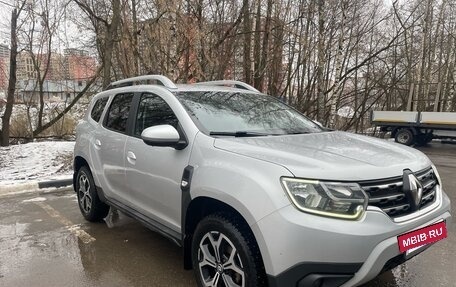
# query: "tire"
{"type": "Point", "coordinates": [92, 208]}
{"type": "Point", "coordinates": [238, 260]}
{"type": "Point", "coordinates": [404, 136]}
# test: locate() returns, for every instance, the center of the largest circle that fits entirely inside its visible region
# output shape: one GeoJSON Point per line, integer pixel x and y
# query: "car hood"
{"type": "Point", "coordinates": [330, 155]}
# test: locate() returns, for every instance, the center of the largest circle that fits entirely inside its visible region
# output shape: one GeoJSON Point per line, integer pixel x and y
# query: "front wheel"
{"type": "Point", "coordinates": [225, 254]}
{"type": "Point", "coordinates": [92, 208]}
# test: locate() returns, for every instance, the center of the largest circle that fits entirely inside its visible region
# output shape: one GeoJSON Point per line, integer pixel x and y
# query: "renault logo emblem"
{"type": "Point", "coordinates": [413, 189]}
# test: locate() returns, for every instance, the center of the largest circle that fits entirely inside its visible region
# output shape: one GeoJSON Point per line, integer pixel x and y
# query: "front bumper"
{"type": "Point", "coordinates": [298, 247]}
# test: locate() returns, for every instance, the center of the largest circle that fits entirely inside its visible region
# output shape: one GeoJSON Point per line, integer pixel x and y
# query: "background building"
{"type": "Point", "coordinates": [54, 90]}
{"type": "Point", "coordinates": [79, 64]}
{"type": "Point", "coordinates": [66, 75]}
{"type": "Point", "coordinates": [74, 64]}
{"type": "Point", "coordinates": [25, 69]}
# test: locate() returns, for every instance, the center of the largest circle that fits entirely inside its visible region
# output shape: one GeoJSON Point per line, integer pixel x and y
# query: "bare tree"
{"type": "Point", "coordinates": [12, 75]}
{"type": "Point", "coordinates": [105, 20]}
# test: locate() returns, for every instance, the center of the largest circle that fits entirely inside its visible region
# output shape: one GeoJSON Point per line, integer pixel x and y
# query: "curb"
{"type": "Point", "coordinates": [55, 183]}
{"type": "Point", "coordinates": [34, 186]}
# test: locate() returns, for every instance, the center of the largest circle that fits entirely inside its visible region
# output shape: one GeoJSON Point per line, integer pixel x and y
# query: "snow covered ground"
{"type": "Point", "coordinates": [38, 161]}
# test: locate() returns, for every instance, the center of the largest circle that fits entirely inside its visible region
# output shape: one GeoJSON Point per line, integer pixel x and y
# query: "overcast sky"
{"type": "Point", "coordinates": [5, 19]}
{"type": "Point", "coordinates": [68, 37]}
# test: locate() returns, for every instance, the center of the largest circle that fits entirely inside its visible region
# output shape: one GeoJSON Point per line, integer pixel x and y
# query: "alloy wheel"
{"type": "Point", "coordinates": [219, 261]}
{"type": "Point", "coordinates": [85, 199]}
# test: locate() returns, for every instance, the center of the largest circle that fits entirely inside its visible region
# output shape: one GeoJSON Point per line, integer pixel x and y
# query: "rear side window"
{"type": "Point", "coordinates": [117, 116]}
{"type": "Point", "coordinates": [153, 111]}
{"type": "Point", "coordinates": [98, 108]}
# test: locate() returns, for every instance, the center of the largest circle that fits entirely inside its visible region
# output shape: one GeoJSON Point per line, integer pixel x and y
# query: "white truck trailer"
{"type": "Point", "coordinates": [416, 127]}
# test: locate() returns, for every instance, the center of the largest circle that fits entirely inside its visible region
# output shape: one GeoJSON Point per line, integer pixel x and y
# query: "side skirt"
{"type": "Point", "coordinates": [150, 223]}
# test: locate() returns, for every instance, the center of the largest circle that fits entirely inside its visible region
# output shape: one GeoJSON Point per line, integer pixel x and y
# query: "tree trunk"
{"type": "Point", "coordinates": [111, 33]}
{"type": "Point", "coordinates": [321, 61]}
{"type": "Point", "coordinates": [257, 44]}
{"type": "Point", "coordinates": [135, 38]}
{"type": "Point", "coordinates": [259, 78]}
{"type": "Point", "coordinates": [12, 80]}
{"type": "Point", "coordinates": [247, 29]}
{"type": "Point", "coordinates": [421, 104]}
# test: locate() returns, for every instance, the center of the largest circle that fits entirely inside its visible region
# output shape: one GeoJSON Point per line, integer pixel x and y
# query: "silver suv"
{"type": "Point", "coordinates": [254, 192]}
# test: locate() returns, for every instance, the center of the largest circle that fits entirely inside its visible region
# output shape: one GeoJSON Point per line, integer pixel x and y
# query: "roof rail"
{"type": "Point", "coordinates": [161, 80]}
{"type": "Point", "coordinates": [235, 84]}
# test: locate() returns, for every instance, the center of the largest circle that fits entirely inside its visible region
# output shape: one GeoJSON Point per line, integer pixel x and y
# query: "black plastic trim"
{"type": "Point", "coordinates": [185, 202]}
{"type": "Point", "coordinates": [133, 111]}
{"type": "Point", "coordinates": [324, 280]}
{"type": "Point", "coordinates": [293, 276]}
{"type": "Point", "coordinates": [101, 194]}
{"type": "Point", "coordinates": [186, 197]}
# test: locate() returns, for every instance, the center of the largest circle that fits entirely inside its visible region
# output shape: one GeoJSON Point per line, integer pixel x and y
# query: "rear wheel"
{"type": "Point", "coordinates": [224, 254]}
{"type": "Point", "coordinates": [404, 136]}
{"type": "Point", "coordinates": [92, 208]}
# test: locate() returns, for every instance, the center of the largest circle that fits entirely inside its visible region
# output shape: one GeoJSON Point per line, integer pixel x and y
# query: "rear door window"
{"type": "Point", "coordinates": [117, 116]}
{"type": "Point", "coordinates": [98, 108]}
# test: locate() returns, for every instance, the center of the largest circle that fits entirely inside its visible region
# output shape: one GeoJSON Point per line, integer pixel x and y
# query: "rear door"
{"type": "Point", "coordinates": [154, 173]}
{"type": "Point", "coordinates": [108, 146]}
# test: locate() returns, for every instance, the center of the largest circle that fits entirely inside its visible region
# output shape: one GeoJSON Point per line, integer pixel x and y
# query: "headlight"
{"type": "Point", "coordinates": [332, 199]}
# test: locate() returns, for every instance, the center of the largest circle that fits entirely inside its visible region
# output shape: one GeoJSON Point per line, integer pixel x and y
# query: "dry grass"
{"type": "Point", "coordinates": [63, 127]}
{"type": "Point", "coordinates": [20, 126]}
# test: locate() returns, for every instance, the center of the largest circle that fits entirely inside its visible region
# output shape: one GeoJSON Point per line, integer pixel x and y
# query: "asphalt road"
{"type": "Point", "coordinates": [44, 241]}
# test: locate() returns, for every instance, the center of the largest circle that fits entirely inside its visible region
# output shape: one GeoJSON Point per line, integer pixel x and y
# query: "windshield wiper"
{"type": "Point", "coordinates": [297, 132]}
{"type": "Point", "coordinates": [239, 134]}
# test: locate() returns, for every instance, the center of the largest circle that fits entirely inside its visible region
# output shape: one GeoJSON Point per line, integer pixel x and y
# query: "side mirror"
{"type": "Point", "coordinates": [163, 135]}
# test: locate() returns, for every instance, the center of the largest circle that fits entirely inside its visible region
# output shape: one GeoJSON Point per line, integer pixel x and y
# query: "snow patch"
{"type": "Point", "coordinates": [35, 161]}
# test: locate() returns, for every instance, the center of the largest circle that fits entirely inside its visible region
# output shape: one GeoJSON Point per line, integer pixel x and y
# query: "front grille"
{"type": "Point", "coordinates": [388, 194]}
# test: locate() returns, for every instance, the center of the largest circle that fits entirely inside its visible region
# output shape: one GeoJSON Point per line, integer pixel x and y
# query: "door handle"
{"type": "Point", "coordinates": [131, 157]}
{"type": "Point", "coordinates": [97, 144]}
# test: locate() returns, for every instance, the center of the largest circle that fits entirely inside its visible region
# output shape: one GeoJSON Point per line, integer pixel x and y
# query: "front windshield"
{"type": "Point", "coordinates": [244, 113]}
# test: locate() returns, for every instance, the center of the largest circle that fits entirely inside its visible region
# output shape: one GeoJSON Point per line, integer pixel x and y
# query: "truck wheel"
{"type": "Point", "coordinates": [404, 136]}
{"type": "Point", "coordinates": [224, 255]}
{"type": "Point", "coordinates": [92, 208]}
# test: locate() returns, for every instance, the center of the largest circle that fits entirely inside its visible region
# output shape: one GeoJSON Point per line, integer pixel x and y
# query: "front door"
{"type": "Point", "coordinates": [154, 173]}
